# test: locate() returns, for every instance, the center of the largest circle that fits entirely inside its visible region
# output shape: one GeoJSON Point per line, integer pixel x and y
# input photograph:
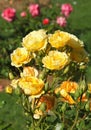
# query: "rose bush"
{"type": "Point", "coordinates": [49, 88]}
{"type": "Point", "coordinates": [51, 84]}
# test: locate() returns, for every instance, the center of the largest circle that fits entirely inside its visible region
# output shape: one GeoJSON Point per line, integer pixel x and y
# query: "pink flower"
{"type": "Point", "coordinates": [61, 21]}
{"type": "Point", "coordinates": [45, 21]}
{"type": "Point", "coordinates": [66, 9]}
{"type": "Point", "coordinates": [9, 14]}
{"type": "Point", "coordinates": [34, 10]}
{"type": "Point", "coordinates": [23, 14]}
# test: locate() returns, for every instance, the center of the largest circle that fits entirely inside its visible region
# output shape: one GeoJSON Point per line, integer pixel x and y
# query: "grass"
{"type": "Point", "coordinates": [11, 113]}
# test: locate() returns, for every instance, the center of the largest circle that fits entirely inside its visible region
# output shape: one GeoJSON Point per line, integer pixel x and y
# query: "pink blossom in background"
{"type": "Point", "coordinates": [34, 10]}
{"type": "Point", "coordinates": [66, 9]}
{"type": "Point", "coordinates": [23, 14]}
{"type": "Point", "coordinates": [45, 21]}
{"type": "Point", "coordinates": [61, 21]}
{"type": "Point", "coordinates": [9, 14]}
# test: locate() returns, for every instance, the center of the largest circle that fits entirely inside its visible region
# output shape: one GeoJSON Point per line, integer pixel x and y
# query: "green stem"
{"type": "Point", "coordinates": [75, 121]}
{"type": "Point", "coordinates": [43, 74]}
{"type": "Point", "coordinates": [63, 117]}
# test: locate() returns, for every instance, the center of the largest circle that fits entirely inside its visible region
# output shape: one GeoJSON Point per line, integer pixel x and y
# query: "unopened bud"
{"type": "Point", "coordinates": [11, 76]}
{"type": "Point", "coordinates": [87, 106]}
{"type": "Point", "coordinates": [46, 86]}
{"type": "Point", "coordinates": [66, 70]}
{"type": "Point", "coordinates": [17, 91]}
{"type": "Point", "coordinates": [63, 108]}
{"type": "Point", "coordinates": [82, 86]}
{"type": "Point", "coordinates": [43, 107]}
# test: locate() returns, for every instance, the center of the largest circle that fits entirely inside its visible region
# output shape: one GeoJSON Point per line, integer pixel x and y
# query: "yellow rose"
{"type": "Point", "coordinates": [14, 83]}
{"type": "Point", "coordinates": [29, 71]}
{"type": "Point", "coordinates": [69, 86]}
{"type": "Point", "coordinates": [55, 60]}
{"type": "Point", "coordinates": [79, 55]}
{"type": "Point", "coordinates": [74, 42]}
{"type": "Point", "coordinates": [66, 88]}
{"type": "Point", "coordinates": [35, 40]}
{"type": "Point", "coordinates": [67, 97]}
{"type": "Point", "coordinates": [20, 56]}
{"type": "Point", "coordinates": [31, 85]}
{"type": "Point", "coordinates": [59, 39]}
{"type": "Point", "coordinates": [8, 89]}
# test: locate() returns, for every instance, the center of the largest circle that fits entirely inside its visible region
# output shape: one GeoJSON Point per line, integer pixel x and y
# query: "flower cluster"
{"type": "Point", "coordinates": [50, 75]}
{"type": "Point", "coordinates": [34, 10]}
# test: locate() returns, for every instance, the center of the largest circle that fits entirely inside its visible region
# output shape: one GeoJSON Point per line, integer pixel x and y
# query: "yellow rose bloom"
{"type": "Point", "coordinates": [31, 85]}
{"type": "Point", "coordinates": [59, 39]}
{"type": "Point", "coordinates": [65, 88]}
{"type": "Point", "coordinates": [8, 89]}
{"type": "Point", "coordinates": [69, 86]}
{"type": "Point", "coordinates": [20, 56]}
{"type": "Point", "coordinates": [35, 40]}
{"type": "Point", "coordinates": [14, 83]}
{"type": "Point", "coordinates": [29, 71]}
{"type": "Point", "coordinates": [55, 60]}
{"type": "Point", "coordinates": [79, 55]}
{"type": "Point", "coordinates": [67, 97]}
{"type": "Point", "coordinates": [74, 42]}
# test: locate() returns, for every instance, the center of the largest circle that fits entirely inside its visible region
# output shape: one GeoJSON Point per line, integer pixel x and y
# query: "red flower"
{"type": "Point", "coordinates": [45, 21]}
{"type": "Point", "coordinates": [9, 14]}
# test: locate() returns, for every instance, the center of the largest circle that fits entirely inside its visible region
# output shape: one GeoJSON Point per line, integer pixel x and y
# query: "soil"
{"type": "Point", "coordinates": [4, 83]}
{"type": "Point", "coordinates": [17, 4]}
{"type": "Point", "coordinates": [20, 4]}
